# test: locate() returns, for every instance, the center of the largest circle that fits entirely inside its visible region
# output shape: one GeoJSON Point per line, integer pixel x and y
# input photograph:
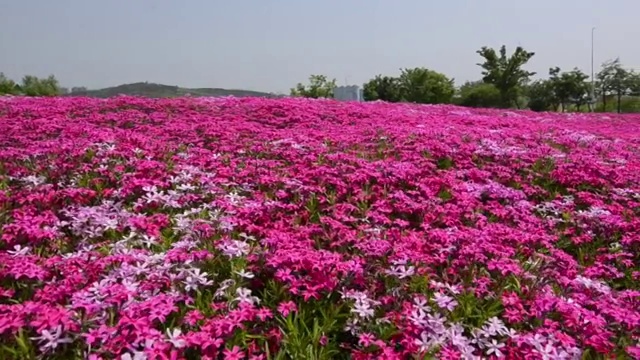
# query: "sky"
{"type": "Point", "coordinates": [270, 45]}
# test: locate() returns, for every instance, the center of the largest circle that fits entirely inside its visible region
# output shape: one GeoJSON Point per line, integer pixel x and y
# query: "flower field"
{"type": "Point", "coordinates": [309, 229]}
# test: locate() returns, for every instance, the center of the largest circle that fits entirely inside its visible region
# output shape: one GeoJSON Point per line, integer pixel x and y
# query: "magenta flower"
{"type": "Point", "coordinates": [233, 354]}
{"type": "Point", "coordinates": [165, 228]}
{"type": "Point", "coordinates": [286, 308]}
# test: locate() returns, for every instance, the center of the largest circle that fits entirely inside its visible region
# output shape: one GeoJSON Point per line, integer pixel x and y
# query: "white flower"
{"type": "Point", "coordinates": [547, 352]}
{"type": "Point", "coordinates": [453, 289]}
{"type": "Point", "coordinates": [445, 301]}
{"type": "Point", "coordinates": [494, 348]}
{"type": "Point", "coordinates": [173, 338]}
{"type": "Point", "coordinates": [234, 198]}
{"type": "Point", "coordinates": [185, 187]}
{"type": "Point", "coordinates": [34, 180]}
{"type": "Point", "coordinates": [593, 284]}
{"type": "Point", "coordinates": [245, 274]}
{"type": "Point", "coordinates": [226, 225]}
{"type": "Point", "coordinates": [244, 296]}
{"type": "Point", "coordinates": [419, 318]}
{"type": "Point", "coordinates": [247, 237]}
{"type": "Point", "coordinates": [196, 279]}
{"type": "Point", "coordinates": [362, 309]}
{"type": "Point", "coordinates": [352, 326]}
{"type": "Point", "coordinates": [223, 287]}
{"type": "Point", "coordinates": [52, 339]}
{"type": "Point", "coordinates": [421, 303]}
{"type": "Point", "coordinates": [138, 268]}
{"type": "Point", "coordinates": [401, 271]}
{"type": "Point", "coordinates": [130, 286]}
{"type": "Point", "coordinates": [148, 241]}
{"type": "Point", "coordinates": [235, 248]}
{"type": "Point", "coordinates": [137, 355]}
{"type": "Point", "coordinates": [19, 251]}
{"type": "Point", "coordinates": [184, 244]}
{"type": "Point", "coordinates": [495, 326]}
{"type": "Point", "coordinates": [436, 324]}
{"type": "Point", "coordinates": [511, 333]}
{"type": "Point", "coordinates": [424, 342]}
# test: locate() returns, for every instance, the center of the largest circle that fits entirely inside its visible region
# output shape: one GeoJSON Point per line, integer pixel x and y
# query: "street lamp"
{"type": "Point", "coordinates": [593, 88]}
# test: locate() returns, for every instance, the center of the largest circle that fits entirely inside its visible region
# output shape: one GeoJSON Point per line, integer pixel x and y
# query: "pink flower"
{"type": "Point", "coordinates": [324, 340]}
{"type": "Point", "coordinates": [634, 351]}
{"type": "Point", "coordinates": [366, 340]}
{"type": "Point", "coordinates": [285, 308]}
{"type": "Point", "coordinates": [124, 216]}
{"type": "Point", "coordinates": [233, 354]}
{"type": "Point", "coordinates": [193, 317]}
{"type": "Point", "coordinates": [264, 314]}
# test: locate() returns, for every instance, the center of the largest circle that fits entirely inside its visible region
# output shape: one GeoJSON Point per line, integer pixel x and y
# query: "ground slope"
{"type": "Point", "coordinates": [317, 229]}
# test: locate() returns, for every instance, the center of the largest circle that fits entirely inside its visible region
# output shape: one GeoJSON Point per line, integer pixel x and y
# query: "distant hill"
{"type": "Point", "coordinates": [161, 91]}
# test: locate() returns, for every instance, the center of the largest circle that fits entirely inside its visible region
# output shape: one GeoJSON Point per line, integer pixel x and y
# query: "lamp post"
{"type": "Point", "coordinates": [593, 88]}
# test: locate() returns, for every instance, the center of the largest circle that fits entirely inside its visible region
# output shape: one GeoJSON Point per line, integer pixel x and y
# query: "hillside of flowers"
{"type": "Point", "coordinates": [231, 228]}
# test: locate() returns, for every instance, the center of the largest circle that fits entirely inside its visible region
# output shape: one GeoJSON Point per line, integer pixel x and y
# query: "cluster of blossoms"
{"type": "Point", "coordinates": [309, 229]}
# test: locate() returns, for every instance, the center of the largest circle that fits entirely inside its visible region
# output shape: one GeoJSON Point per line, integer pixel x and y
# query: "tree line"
{"type": "Point", "coordinates": [30, 86]}
{"type": "Point", "coordinates": [35, 86]}
{"type": "Point", "coordinates": [504, 84]}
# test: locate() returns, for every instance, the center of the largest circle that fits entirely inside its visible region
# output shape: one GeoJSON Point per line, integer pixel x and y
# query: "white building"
{"type": "Point", "coordinates": [348, 93]}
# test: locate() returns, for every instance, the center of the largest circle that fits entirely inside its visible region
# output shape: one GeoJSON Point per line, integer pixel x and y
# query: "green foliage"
{"type": "Point", "coordinates": [569, 87]}
{"type": "Point", "coordinates": [424, 86]}
{"type": "Point", "coordinates": [474, 312]}
{"type": "Point", "coordinates": [628, 104]}
{"type": "Point", "coordinates": [8, 86]}
{"type": "Point", "coordinates": [505, 72]}
{"type": "Point", "coordinates": [319, 87]}
{"type": "Point", "coordinates": [385, 88]}
{"type": "Point", "coordinates": [479, 94]}
{"type": "Point", "coordinates": [541, 96]}
{"type": "Point", "coordinates": [615, 80]}
{"type": "Point", "coordinates": [30, 86]}
{"type": "Point", "coordinates": [633, 83]}
{"type": "Point", "coordinates": [33, 86]}
{"type": "Point", "coordinates": [304, 330]}
{"type": "Point", "coordinates": [418, 85]}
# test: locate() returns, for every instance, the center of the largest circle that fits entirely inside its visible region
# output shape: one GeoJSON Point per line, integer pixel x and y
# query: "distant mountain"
{"type": "Point", "coordinates": [161, 91]}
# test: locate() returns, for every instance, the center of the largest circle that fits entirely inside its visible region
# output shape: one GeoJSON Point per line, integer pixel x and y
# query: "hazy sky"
{"type": "Point", "coordinates": [270, 45]}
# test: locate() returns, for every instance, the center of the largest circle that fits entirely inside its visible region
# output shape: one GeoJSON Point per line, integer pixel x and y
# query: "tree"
{"type": "Point", "coordinates": [577, 87]}
{"type": "Point", "coordinates": [33, 86]}
{"type": "Point", "coordinates": [541, 96]}
{"type": "Point", "coordinates": [580, 89]}
{"type": "Point", "coordinates": [385, 88]}
{"type": "Point", "coordinates": [569, 87]}
{"type": "Point", "coordinates": [479, 94]}
{"type": "Point", "coordinates": [633, 84]}
{"type": "Point", "coordinates": [50, 86]}
{"type": "Point", "coordinates": [619, 81]}
{"type": "Point", "coordinates": [604, 82]}
{"type": "Point", "coordinates": [505, 72]}
{"type": "Point", "coordinates": [616, 80]}
{"type": "Point", "coordinates": [560, 92]}
{"type": "Point", "coordinates": [8, 86]}
{"type": "Point", "coordinates": [424, 86]}
{"type": "Point", "coordinates": [30, 85]}
{"type": "Point", "coordinates": [319, 87]}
